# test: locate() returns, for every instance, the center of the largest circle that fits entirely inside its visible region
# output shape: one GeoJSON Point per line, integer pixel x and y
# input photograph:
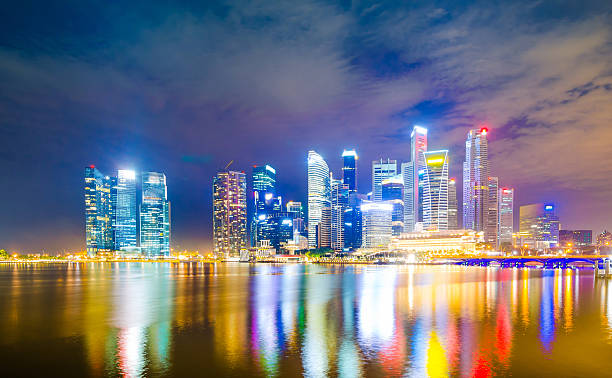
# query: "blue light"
{"type": "Point", "coordinates": [548, 207]}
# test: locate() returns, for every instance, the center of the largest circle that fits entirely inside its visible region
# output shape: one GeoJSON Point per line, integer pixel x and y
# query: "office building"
{"type": "Point", "coordinates": [418, 147]}
{"type": "Point", "coordinates": [505, 215]}
{"type": "Point", "coordinates": [126, 221]}
{"type": "Point", "coordinates": [475, 181]}
{"type": "Point", "coordinates": [575, 238]}
{"type": "Point", "coordinates": [353, 222]}
{"type": "Point", "coordinates": [99, 211]}
{"type": "Point", "coordinates": [296, 211]}
{"type": "Point", "coordinates": [265, 201]}
{"type": "Point", "coordinates": [435, 190]}
{"type": "Point", "coordinates": [381, 170]}
{"type": "Point", "coordinates": [377, 227]}
{"type": "Point", "coordinates": [229, 213]}
{"type": "Point", "coordinates": [349, 169]}
{"type": "Point", "coordinates": [539, 226]}
{"type": "Point", "coordinates": [436, 242]}
{"type": "Point", "coordinates": [318, 194]}
{"type": "Point", "coordinates": [491, 231]}
{"type": "Point", "coordinates": [339, 203]}
{"type": "Point", "coordinates": [409, 180]}
{"type": "Point", "coordinates": [154, 216]}
{"type": "Point", "coordinates": [323, 228]}
{"type": "Point", "coordinates": [393, 192]}
{"type": "Point", "coordinates": [453, 206]}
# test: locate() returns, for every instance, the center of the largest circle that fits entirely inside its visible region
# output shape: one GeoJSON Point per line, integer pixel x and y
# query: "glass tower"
{"type": "Point", "coordinates": [453, 219]}
{"type": "Point", "coordinates": [99, 211]}
{"type": "Point", "coordinates": [349, 169]}
{"type": "Point", "coordinates": [125, 212]}
{"type": "Point", "coordinates": [229, 213]}
{"type": "Point", "coordinates": [265, 202]}
{"type": "Point", "coordinates": [377, 227]}
{"type": "Point", "coordinates": [381, 170]}
{"type": "Point", "coordinates": [154, 216]}
{"type": "Point", "coordinates": [475, 181]}
{"type": "Point", "coordinates": [408, 177]}
{"type": "Point", "coordinates": [506, 215]}
{"type": "Point", "coordinates": [435, 190]}
{"type": "Point", "coordinates": [418, 147]}
{"type": "Point", "coordinates": [491, 232]}
{"type": "Point", "coordinates": [318, 194]}
{"type": "Point", "coordinates": [393, 192]}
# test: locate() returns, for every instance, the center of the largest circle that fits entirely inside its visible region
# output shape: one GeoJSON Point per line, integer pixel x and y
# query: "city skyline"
{"type": "Point", "coordinates": [191, 91]}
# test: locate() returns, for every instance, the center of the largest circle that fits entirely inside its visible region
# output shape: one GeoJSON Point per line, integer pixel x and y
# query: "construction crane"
{"type": "Point", "coordinates": [228, 164]}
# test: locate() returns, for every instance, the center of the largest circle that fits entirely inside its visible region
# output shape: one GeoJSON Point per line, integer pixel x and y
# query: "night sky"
{"type": "Point", "coordinates": [184, 89]}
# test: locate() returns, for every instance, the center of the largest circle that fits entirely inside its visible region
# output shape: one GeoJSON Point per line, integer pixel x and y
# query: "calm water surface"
{"type": "Point", "coordinates": [156, 319]}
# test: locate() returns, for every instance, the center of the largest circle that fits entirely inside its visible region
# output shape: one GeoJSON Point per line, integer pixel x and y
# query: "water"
{"type": "Point", "coordinates": [158, 319]}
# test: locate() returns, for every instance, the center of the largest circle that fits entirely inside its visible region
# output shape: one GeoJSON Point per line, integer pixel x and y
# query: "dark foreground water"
{"type": "Point", "coordinates": [158, 319]}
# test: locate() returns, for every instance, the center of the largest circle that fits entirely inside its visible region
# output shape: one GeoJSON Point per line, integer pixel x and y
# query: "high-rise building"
{"type": "Point", "coordinates": [229, 213]}
{"type": "Point", "coordinates": [491, 231]}
{"type": "Point", "coordinates": [296, 211]}
{"type": "Point", "coordinates": [154, 216]}
{"type": "Point", "coordinates": [575, 238]}
{"type": "Point", "coordinates": [417, 149]}
{"type": "Point", "coordinates": [99, 211]}
{"type": "Point", "coordinates": [409, 213]}
{"type": "Point", "coordinates": [475, 181]}
{"type": "Point", "coordinates": [377, 226]}
{"type": "Point", "coordinates": [126, 223]}
{"type": "Point", "coordinates": [339, 203]}
{"type": "Point", "coordinates": [381, 170]}
{"type": "Point", "coordinates": [353, 222]}
{"type": "Point", "coordinates": [506, 215]}
{"type": "Point", "coordinates": [539, 226]}
{"type": "Point", "coordinates": [435, 190]}
{"type": "Point", "coordinates": [265, 201]}
{"type": "Point", "coordinates": [393, 192]}
{"type": "Point", "coordinates": [349, 169]}
{"type": "Point", "coordinates": [453, 217]}
{"type": "Point", "coordinates": [318, 194]}
{"type": "Point", "coordinates": [324, 228]}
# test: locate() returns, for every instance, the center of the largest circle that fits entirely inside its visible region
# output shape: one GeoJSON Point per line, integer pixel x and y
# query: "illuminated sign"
{"type": "Point", "coordinates": [435, 161]}
{"type": "Point", "coordinates": [548, 207]}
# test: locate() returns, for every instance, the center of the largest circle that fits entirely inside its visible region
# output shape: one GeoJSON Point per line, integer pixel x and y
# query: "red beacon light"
{"type": "Point", "coordinates": [484, 131]}
{"type": "Point", "coordinates": [92, 166]}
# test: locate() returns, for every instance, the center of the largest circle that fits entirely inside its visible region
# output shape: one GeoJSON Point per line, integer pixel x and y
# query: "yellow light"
{"type": "Point", "coordinates": [435, 161]}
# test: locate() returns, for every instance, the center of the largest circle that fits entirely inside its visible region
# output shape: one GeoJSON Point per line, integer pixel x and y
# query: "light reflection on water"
{"type": "Point", "coordinates": [284, 320]}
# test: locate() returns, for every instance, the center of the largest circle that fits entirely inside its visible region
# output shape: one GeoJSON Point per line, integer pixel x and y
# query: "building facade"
{"type": "Point", "coordinates": [154, 215]}
{"type": "Point", "coordinates": [377, 226]}
{"type": "Point", "coordinates": [126, 221]}
{"type": "Point", "coordinates": [453, 206]}
{"type": "Point", "coordinates": [418, 147]}
{"type": "Point", "coordinates": [319, 189]}
{"type": "Point", "coordinates": [475, 181]}
{"type": "Point", "coordinates": [393, 192]}
{"type": "Point", "coordinates": [99, 211]}
{"type": "Point", "coordinates": [381, 170]}
{"type": "Point", "coordinates": [492, 231]}
{"type": "Point", "coordinates": [229, 214]}
{"type": "Point", "coordinates": [506, 215]}
{"type": "Point", "coordinates": [435, 190]}
{"type": "Point", "coordinates": [539, 226]}
{"type": "Point", "coordinates": [349, 169]}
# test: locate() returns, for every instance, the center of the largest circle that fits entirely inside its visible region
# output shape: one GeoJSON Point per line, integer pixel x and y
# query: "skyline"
{"type": "Point", "coordinates": [86, 92]}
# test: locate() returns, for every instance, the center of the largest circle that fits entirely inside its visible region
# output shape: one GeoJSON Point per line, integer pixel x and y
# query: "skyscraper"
{"type": "Point", "coordinates": [339, 203]}
{"type": "Point", "coordinates": [435, 190]}
{"type": "Point", "coordinates": [296, 211]}
{"type": "Point", "coordinates": [126, 227]}
{"type": "Point", "coordinates": [506, 215]}
{"type": "Point", "coordinates": [154, 216]}
{"type": "Point", "coordinates": [99, 212]}
{"type": "Point", "coordinates": [265, 201]}
{"type": "Point", "coordinates": [409, 213]}
{"type": "Point", "coordinates": [475, 181]}
{"type": "Point", "coordinates": [377, 226]}
{"type": "Point", "coordinates": [349, 169]}
{"type": "Point", "coordinates": [381, 170]}
{"type": "Point", "coordinates": [417, 149]}
{"type": "Point", "coordinates": [353, 222]}
{"type": "Point", "coordinates": [491, 231]}
{"type": "Point", "coordinates": [453, 218]}
{"type": "Point", "coordinates": [318, 194]}
{"type": "Point", "coordinates": [229, 213]}
{"type": "Point", "coordinates": [539, 226]}
{"type": "Point", "coordinates": [393, 192]}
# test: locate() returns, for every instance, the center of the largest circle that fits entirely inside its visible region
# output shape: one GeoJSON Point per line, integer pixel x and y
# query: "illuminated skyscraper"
{"type": "Point", "coordinates": [475, 181]}
{"type": "Point", "coordinates": [435, 190]}
{"type": "Point", "coordinates": [393, 192]}
{"type": "Point", "coordinates": [154, 216]}
{"type": "Point", "coordinates": [377, 226]}
{"type": "Point", "coordinates": [539, 226]}
{"type": "Point", "coordinates": [453, 219]}
{"type": "Point", "coordinates": [409, 214]}
{"type": "Point", "coordinates": [349, 169]}
{"type": "Point", "coordinates": [126, 224]}
{"type": "Point", "coordinates": [99, 212]}
{"type": "Point", "coordinates": [318, 194]}
{"type": "Point", "coordinates": [229, 213]}
{"type": "Point", "coordinates": [417, 149]}
{"type": "Point", "coordinates": [265, 201]}
{"type": "Point", "coordinates": [339, 203]}
{"type": "Point", "coordinates": [381, 170]}
{"type": "Point", "coordinates": [506, 215]}
{"type": "Point", "coordinates": [296, 211]}
{"type": "Point", "coordinates": [491, 231]}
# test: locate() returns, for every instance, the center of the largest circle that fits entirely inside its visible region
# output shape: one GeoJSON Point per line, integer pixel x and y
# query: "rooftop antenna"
{"type": "Point", "coordinates": [228, 164]}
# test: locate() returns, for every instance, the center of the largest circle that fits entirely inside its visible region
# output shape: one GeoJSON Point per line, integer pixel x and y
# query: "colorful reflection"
{"type": "Point", "coordinates": [137, 319]}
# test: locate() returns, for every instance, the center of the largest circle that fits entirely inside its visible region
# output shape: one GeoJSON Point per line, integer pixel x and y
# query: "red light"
{"type": "Point", "coordinates": [484, 131]}
{"type": "Point", "coordinates": [92, 166]}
